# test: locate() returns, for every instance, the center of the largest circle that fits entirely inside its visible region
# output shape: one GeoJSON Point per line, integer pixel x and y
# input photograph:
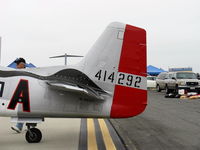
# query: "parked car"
{"type": "Point", "coordinates": [160, 81]}
{"type": "Point", "coordinates": [185, 81]}
{"type": "Point", "coordinates": [151, 82]}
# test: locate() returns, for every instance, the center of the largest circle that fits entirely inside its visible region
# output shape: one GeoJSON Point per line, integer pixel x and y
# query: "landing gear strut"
{"type": "Point", "coordinates": [33, 135]}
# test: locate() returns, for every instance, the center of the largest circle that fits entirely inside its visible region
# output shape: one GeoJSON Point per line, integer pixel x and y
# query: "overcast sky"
{"type": "Point", "coordinates": [38, 29]}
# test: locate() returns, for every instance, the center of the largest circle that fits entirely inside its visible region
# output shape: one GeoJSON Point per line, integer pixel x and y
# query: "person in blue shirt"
{"type": "Point", "coordinates": [20, 64]}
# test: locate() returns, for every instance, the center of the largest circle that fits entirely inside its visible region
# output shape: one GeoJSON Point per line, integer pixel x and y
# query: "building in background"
{"type": "Point", "coordinates": [189, 69]}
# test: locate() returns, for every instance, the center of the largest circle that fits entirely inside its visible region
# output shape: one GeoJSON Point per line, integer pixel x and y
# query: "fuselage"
{"type": "Point", "coordinates": [29, 95]}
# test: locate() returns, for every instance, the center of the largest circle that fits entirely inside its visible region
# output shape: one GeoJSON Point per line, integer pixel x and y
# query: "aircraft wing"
{"type": "Point", "coordinates": [76, 89]}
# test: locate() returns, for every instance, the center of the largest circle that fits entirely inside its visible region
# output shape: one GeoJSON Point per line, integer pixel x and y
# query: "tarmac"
{"type": "Point", "coordinates": [64, 134]}
{"type": "Point", "coordinates": [166, 124]}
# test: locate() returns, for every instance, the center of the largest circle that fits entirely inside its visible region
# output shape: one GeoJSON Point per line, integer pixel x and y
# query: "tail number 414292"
{"type": "Point", "coordinates": [119, 78]}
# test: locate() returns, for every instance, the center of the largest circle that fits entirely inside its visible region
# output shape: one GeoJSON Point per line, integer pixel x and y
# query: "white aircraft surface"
{"type": "Point", "coordinates": [110, 82]}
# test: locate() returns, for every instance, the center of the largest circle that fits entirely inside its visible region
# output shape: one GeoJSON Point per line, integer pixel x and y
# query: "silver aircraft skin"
{"type": "Point", "coordinates": [109, 82]}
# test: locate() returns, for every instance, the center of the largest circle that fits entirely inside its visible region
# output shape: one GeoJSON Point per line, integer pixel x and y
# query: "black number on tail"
{"type": "Point", "coordinates": [98, 75]}
{"type": "Point", "coordinates": [138, 80]}
{"type": "Point", "coordinates": [111, 77]}
{"type": "Point", "coordinates": [121, 77]}
{"type": "Point", "coordinates": [104, 78]}
{"type": "Point", "coordinates": [130, 80]}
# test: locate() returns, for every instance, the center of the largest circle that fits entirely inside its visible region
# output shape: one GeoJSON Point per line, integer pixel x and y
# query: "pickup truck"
{"type": "Point", "coordinates": [184, 81]}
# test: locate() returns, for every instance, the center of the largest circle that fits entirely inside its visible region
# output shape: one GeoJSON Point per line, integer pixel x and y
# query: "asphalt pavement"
{"type": "Point", "coordinates": [166, 124]}
{"type": "Point", "coordinates": [64, 134]}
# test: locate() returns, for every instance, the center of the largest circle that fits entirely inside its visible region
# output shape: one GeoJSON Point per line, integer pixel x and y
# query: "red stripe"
{"type": "Point", "coordinates": [128, 102]}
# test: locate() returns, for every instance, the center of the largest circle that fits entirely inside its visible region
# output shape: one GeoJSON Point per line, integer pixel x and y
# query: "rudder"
{"type": "Point", "coordinates": [131, 100]}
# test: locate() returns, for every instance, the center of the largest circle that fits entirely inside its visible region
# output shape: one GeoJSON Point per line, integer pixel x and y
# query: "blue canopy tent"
{"type": "Point", "coordinates": [153, 71]}
{"type": "Point", "coordinates": [13, 65]}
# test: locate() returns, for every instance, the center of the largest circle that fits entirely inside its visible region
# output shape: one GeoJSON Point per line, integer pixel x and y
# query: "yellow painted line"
{"type": "Point", "coordinates": [106, 135]}
{"type": "Point", "coordinates": [92, 143]}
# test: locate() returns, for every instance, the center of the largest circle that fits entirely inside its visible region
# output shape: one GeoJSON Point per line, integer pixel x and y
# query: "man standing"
{"type": "Point", "coordinates": [20, 64]}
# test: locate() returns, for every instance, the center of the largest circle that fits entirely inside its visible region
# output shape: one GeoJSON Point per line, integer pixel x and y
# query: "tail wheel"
{"type": "Point", "coordinates": [33, 135]}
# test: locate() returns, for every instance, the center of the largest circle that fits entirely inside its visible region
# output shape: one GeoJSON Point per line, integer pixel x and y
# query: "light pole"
{"type": "Point", "coordinates": [65, 56]}
{"type": "Point", "coordinates": [65, 59]}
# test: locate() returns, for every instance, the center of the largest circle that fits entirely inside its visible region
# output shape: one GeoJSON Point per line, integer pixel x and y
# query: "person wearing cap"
{"type": "Point", "coordinates": [20, 64]}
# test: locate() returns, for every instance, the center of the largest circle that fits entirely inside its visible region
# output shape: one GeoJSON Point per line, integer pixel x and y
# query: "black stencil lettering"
{"type": "Point", "coordinates": [2, 88]}
{"type": "Point", "coordinates": [129, 80]}
{"type": "Point", "coordinates": [98, 75]}
{"type": "Point", "coordinates": [21, 95]}
{"type": "Point", "coordinates": [121, 78]}
{"type": "Point", "coordinates": [111, 77]}
{"type": "Point", "coordinates": [104, 79]}
{"type": "Point", "coordinates": [138, 80]}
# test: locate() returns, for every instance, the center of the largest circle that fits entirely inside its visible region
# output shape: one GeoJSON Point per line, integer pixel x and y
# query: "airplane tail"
{"type": "Point", "coordinates": [117, 64]}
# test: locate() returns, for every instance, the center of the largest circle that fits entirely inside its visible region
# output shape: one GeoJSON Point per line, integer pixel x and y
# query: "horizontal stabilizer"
{"type": "Point", "coordinates": [75, 89]}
